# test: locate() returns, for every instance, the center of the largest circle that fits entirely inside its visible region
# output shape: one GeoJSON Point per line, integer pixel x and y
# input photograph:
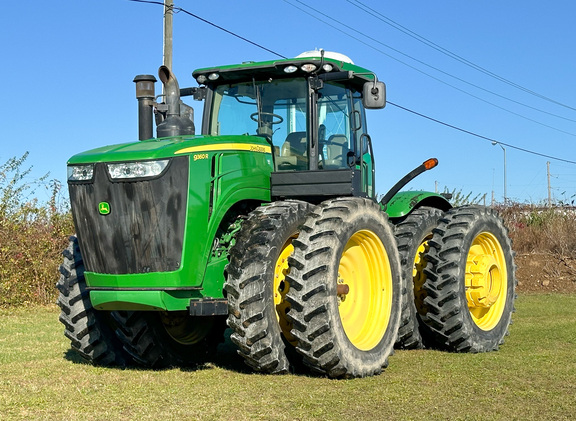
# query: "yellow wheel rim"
{"type": "Point", "coordinates": [486, 281]}
{"type": "Point", "coordinates": [418, 275]}
{"type": "Point", "coordinates": [364, 290]}
{"type": "Point", "coordinates": [281, 287]}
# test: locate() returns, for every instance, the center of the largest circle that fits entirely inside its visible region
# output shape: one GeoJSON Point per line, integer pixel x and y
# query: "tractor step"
{"type": "Point", "coordinates": [208, 307]}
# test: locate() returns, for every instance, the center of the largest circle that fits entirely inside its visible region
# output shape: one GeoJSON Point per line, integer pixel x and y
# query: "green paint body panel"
{"type": "Point", "coordinates": [405, 202]}
{"type": "Point", "coordinates": [222, 170]}
{"type": "Point", "coordinates": [157, 148]}
{"type": "Point", "coordinates": [141, 300]}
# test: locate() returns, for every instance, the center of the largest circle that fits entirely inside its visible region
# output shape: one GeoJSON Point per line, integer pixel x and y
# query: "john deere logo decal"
{"type": "Point", "coordinates": [104, 208]}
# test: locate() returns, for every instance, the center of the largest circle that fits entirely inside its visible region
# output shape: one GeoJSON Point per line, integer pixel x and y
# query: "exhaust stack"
{"type": "Point", "coordinates": [175, 123]}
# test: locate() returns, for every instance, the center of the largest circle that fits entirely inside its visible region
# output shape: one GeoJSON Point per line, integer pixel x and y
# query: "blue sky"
{"type": "Point", "coordinates": [67, 70]}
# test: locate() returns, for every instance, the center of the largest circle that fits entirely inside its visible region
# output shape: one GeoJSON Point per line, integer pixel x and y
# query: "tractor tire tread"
{"type": "Point", "coordinates": [323, 349]}
{"type": "Point", "coordinates": [447, 315]}
{"type": "Point", "coordinates": [410, 232]}
{"type": "Point", "coordinates": [91, 332]}
{"type": "Point", "coordinates": [252, 259]}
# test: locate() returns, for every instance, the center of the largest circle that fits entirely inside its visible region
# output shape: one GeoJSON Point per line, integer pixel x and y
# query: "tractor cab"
{"type": "Point", "coordinates": [310, 109]}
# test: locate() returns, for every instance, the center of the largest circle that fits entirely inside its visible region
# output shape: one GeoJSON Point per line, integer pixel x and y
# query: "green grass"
{"type": "Point", "coordinates": [533, 376]}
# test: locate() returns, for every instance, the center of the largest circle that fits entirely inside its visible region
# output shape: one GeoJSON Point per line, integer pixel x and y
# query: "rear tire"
{"type": "Point", "coordinates": [471, 281]}
{"type": "Point", "coordinates": [345, 289]}
{"type": "Point", "coordinates": [169, 339]}
{"type": "Point", "coordinates": [412, 235]}
{"type": "Point", "coordinates": [91, 332]}
{"type": "Point", "coordinates": [256, 285]}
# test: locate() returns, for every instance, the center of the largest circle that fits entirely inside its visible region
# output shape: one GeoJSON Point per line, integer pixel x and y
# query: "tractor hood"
{"type": "Point", "coordinates": [169, 147]}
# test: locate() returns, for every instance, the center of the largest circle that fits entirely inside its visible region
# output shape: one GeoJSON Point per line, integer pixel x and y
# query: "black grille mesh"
{"type": "Point", "coordinates": [144, 230]}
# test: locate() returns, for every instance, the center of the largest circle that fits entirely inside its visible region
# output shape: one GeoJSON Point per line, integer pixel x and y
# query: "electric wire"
{"type": "Point", "coordinates": [180, 9]}
{"type": "Point", "coordinates": [425, 64]}
{"type": "Point", "coordinates": [389, 102]}
{"type": "Point", "coordinates": [367, 9]}
{"type": "Point", "coordinates": [480, 136]}
{"type": "Point", "coordinates": [456, 57]}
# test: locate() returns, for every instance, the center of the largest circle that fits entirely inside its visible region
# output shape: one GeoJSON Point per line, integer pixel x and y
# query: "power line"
{"type": "Point", "coordinates": [338, 28]}
{"type": "Point", "coordinates": [389, 102]}
{"type": "Point", "coordinates": [180, 9]}
{"type": "Point", "coordinates": [456, 57]}
{"type": "Point", "coordinates": [452, 55]}
{"type": "Point", "coordinates": [480, 136]}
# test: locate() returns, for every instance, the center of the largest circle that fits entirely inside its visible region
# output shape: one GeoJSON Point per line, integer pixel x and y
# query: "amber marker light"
{"type": "Point", "coordinates": [430, 163]}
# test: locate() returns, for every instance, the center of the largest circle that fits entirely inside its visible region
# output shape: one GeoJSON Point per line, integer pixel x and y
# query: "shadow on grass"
{"type": "Point", "coordinates": [226, 358]}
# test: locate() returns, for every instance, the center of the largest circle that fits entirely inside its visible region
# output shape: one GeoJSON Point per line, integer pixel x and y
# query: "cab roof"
{"type": "Point", "coordinates": [276, 69]}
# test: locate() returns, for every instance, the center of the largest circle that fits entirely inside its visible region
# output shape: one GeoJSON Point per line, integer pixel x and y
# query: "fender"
{"type": "Point", "coordinates": [402, 203]}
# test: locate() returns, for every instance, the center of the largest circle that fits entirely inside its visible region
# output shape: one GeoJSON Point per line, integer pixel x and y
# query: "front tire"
{"type": "Point", "coordinates": [345, 289]}
{"type": "Point", "coordinates": [257, 284]}
{"type": "Point", "coordinates": [471, 281]}
{"type": "Point", "coordinates": [91, 332]}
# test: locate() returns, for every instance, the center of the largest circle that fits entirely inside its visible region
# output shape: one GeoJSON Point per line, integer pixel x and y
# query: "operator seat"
{"type": "Point", "coordinates": [295, 144]}
{"type": "Point", "coordinates": [293, 152]}
{"type": "Point", "coordinates": [336, 151]}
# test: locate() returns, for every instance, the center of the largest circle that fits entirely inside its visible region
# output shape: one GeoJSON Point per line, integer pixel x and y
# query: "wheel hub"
{"type": "Point", "coordinates": [484, 282]}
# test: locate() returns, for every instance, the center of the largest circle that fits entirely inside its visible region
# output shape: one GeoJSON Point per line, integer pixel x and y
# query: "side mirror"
{"type": "Point", "coordinates": [374, 95]}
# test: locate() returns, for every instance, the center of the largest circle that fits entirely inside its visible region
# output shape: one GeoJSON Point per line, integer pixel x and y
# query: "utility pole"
{"type": "Point", "coordinates": [504, 150]}
{"type": "Point", "coordinates": [549, 188]}
{"type": "Point", "coordinates": [168, 14]}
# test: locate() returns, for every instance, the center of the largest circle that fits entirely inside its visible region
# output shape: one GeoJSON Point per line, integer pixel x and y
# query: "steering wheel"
{"type": "Point", "coordinates": [254, 117]}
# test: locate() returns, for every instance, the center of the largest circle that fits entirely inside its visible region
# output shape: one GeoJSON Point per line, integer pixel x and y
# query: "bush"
{"type": "Point", "coordinates": [458, 198]}
{"type": "Point", "coordinates": [32, 236]}
{"type": "Point", "coordinates": [541, 229]}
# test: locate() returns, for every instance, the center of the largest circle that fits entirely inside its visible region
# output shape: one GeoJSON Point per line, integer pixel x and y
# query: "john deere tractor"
{"type": "Point", "coordinates": [268, 223]}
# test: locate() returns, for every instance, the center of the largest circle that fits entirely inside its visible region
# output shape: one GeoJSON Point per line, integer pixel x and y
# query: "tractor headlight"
{"type": "Point", "coordinates": [309, 67]}
{"type": "Point", "coordinates": [126, 170]}
{"type": "Point", "coordinates": [80, 172]}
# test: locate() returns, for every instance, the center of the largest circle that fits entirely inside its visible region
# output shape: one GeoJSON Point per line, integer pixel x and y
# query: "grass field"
{"type": "Point", "coordinates": [533, 376]}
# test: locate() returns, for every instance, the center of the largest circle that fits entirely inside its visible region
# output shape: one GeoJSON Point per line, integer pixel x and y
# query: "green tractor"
{"type": "Point", "coordinates": [268, 223]}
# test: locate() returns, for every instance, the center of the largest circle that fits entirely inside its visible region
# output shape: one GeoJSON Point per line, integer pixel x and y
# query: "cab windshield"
{"type": "Point", "coordinates": [272, 109]}
{"type": "Point", "coordinates": [278, 110]}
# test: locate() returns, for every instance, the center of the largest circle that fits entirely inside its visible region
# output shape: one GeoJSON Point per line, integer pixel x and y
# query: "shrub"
{"type": "Point", "coordinates": [541, 229]}
{"type": "Point", "coordinates": [458, 198]}
{"type": "Point", "coordinates": [32, 235]}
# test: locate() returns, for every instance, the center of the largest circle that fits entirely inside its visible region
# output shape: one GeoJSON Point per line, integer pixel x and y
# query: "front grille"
{"type": "Point", "coordinates": [144, 230]}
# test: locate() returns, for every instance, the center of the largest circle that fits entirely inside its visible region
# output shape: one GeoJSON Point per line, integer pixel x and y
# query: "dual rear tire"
{"type": "Point", "coordinates": [168, 339]}
{"type": "Point", "coordinates": [470, 281]}
{"type": "Point", "coordinates": [412, 235]}
{"type": "Point", "coordinates": [460, 274]}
